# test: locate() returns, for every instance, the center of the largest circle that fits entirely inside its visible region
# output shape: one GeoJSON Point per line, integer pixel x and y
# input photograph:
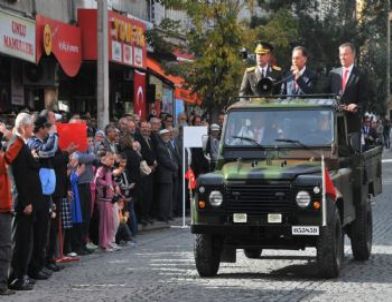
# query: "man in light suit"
{"type": "Point", "coordinates": [350, 85]}
{"type": "Point", "coordinates": [300, 80]}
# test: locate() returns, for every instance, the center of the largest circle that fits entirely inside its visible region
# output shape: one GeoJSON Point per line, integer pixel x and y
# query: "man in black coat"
{"type": "Point", "coordinates": [147, 182]}
{"type": "Point", "coordinates": [167, 168]}
{"type": "Point", "coordinates": [28, 192]}
{"type": "Point", "coordinates": [300, 80]}
{"type": "Point", "coordinates": [350, 85]}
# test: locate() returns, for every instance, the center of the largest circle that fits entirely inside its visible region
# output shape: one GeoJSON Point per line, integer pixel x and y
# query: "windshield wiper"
{"type": "Point", "coordinates": [292, 141]}
{"type": "Point", "coordinates": [248, 139]}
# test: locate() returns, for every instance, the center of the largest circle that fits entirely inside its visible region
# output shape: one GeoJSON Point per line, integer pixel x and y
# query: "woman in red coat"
{"type": "Point", "coordinates": [6, 158]}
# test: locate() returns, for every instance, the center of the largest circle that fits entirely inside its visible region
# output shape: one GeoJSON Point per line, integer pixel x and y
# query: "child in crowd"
{"type": "Point", "coordinates": [105, 188]}
{"type": "Point", "coordinates": [72, 240]}
{"type": "Point", "coordinates": [121, 177]}
{"type": "Point", "coordinates": [123, 234]}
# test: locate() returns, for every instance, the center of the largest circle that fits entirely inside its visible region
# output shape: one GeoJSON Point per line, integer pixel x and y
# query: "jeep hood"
{"type": "Point", "coordinates": [273, 170]}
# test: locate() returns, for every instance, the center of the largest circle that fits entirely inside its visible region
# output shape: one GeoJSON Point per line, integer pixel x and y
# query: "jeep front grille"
{"type": "Point", "coordinates": [258, 198]}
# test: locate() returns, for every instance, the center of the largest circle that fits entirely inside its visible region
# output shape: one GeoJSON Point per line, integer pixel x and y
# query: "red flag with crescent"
{"type": "Point", "coordinates": [190, 176]}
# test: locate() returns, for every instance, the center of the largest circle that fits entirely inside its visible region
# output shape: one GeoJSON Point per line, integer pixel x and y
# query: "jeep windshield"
{"type": "Point", "coordinates": [279, 127]}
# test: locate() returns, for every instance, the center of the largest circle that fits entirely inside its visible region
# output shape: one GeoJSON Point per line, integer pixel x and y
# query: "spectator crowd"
{"type": "Point", "coordinates": [57, 203]}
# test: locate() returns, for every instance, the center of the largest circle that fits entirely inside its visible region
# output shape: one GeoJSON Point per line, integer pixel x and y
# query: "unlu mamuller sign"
{"type": "Point", "coordinates": [17, 37]}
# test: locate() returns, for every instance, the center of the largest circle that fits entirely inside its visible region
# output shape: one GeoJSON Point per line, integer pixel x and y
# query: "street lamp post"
{"type": "Point", "coordinates": [102, 65]}
{"type": "Point", "coordinates": [388, 58]}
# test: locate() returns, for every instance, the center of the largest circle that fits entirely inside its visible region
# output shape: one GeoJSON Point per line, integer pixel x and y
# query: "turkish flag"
{"type": "Point", "coordinates": [190, 176]}
{"type": "Point", "coordinates": [139, 95]}
{"type": "Point", "coordinates": [330, 189]}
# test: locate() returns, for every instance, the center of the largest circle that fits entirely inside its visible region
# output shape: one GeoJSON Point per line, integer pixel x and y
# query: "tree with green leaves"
{"type": "Point", "coordinates": [215, 40]}
{"type": "Point", "coordinates": [217, 36]}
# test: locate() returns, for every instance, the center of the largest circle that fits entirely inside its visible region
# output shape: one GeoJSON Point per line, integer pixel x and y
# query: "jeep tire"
{"type": "Point", "coordinates": [330, 244]}
{"type": "Point", "coordinates": [361, 231]}
{"type": "Point", "coordinates": [253, 253]}
{"type": "Point", "coordinates": [207, 251]}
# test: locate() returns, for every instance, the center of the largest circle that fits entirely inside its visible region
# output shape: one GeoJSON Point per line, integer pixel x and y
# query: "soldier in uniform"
{"type": "Point", "coordinates": [264, 69]}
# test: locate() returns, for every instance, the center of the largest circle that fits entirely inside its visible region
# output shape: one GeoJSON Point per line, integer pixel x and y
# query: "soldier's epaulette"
{"type": "Point", "coordinates": [250, 69]}
{"type": "Point", "coordinates": [274, 67]}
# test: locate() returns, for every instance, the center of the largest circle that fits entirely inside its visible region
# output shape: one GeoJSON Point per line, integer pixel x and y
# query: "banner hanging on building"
{"type": "Point", "coordinates": [17, 37]}
{"type": "Point", "coordinates": [61, 39]}
{"type": "Point", "coordinates": [139, 95]}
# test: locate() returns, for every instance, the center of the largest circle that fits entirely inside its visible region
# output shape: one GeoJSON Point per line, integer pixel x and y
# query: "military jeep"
{"type": "Point", "coordinates": [267, 191]}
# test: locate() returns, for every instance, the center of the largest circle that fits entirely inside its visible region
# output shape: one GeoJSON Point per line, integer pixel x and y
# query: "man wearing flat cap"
{"type": "Point", "coordinates": [44, 145]}
{"type": "Point", "coordinates": [264, 69]}
{"type": "Point", "coordinates": [166, 172]}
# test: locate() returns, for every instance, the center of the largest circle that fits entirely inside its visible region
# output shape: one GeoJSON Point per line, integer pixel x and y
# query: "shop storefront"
{"type": "Point", "coordinates": [127, 56]}
{"type": "Point", "coordinates": [175, 97]}
{"type": "Point", "coordinates": [17, 50]}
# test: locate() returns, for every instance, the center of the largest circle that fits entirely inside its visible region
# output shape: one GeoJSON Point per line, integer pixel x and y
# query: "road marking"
{"type": "Point", "coordinates": [386, 161]}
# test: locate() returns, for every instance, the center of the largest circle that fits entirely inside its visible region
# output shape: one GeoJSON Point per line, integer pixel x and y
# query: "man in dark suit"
{"type": "Point", "coordinates": [25, 171]}
{"type": "Point", "coordinates": [167, 168]}
{"type": "Point", "coordinates": [147, 182]}
{"type": "Point", "coordinates": [264, 68]}
{"type": "Point", "coordinates": [300, 80]}
{"type": "Point", "coordinates": [349, 83]}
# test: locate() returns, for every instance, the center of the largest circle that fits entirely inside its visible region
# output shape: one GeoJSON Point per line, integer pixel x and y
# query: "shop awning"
{"type": "Point", "coordinates": [180, 92]}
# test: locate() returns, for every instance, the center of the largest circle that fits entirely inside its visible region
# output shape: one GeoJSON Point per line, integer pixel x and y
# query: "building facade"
{"type": "Point", "coordinates": [51, 61]}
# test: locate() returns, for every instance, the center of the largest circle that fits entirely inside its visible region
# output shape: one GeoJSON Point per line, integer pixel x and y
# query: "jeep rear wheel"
{"type": "Point", "coordinates": [253, 253]}
{"type": "Point", "coordinates": [362, 232]}
{"type": "Point", "coordinates": [330, 245]}
{"type": "Point", "coordinates": [207, 251]}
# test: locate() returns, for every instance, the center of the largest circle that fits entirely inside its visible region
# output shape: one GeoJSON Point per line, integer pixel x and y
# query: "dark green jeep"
{"type": "Point", "coordinates": [267, 191]}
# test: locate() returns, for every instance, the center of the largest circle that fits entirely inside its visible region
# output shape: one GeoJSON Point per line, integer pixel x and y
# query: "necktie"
{"type": "Point", "coordinates": [168, 150]}
{"type": "Point", "coordinates": [345, 78]}
{"type": "Point", "coordinates": [147, 139]}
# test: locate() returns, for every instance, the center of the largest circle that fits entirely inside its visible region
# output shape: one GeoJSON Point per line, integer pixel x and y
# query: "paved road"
{"type": "Point", "coordinates": [161, 268]}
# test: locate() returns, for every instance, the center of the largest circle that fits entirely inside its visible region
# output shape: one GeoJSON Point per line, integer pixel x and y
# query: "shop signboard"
{"type": "Point", "coordinates": [126, 38]}
{"type": "Point", "coordinates": [17, 37]}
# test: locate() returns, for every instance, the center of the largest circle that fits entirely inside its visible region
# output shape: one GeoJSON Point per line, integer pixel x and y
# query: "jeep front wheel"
{"type": "Point", "coordinates": [252, 253]}
{"type": "Point", "coordinates": [330, 245]}
{"type": "Point", "coordinates": [207, 252]}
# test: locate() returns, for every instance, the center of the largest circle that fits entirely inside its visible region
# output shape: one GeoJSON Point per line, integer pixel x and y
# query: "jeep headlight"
{"type": "Point", "coordinates": [215, 198]}
{"type": "Point", "coordinates": [303, 199]}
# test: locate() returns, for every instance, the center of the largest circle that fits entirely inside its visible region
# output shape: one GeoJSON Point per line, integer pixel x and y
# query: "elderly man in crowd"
{"type": "Point", "coordinates": [25, 171]}
{"type": "Point", "coordinates": [167, 168]}
{"type": "Point", "coordinates": [147, 182]}
{"type": "Point", "coordinates": [111, 138]}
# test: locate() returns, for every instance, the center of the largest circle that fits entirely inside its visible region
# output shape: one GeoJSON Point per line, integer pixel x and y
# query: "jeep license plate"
{"type": "Point", "coordinates": [305, 230]}
{"type": "Point", "coordinates": [274, 218]}
{"type": "Point", "coordinates": [240, 218]}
